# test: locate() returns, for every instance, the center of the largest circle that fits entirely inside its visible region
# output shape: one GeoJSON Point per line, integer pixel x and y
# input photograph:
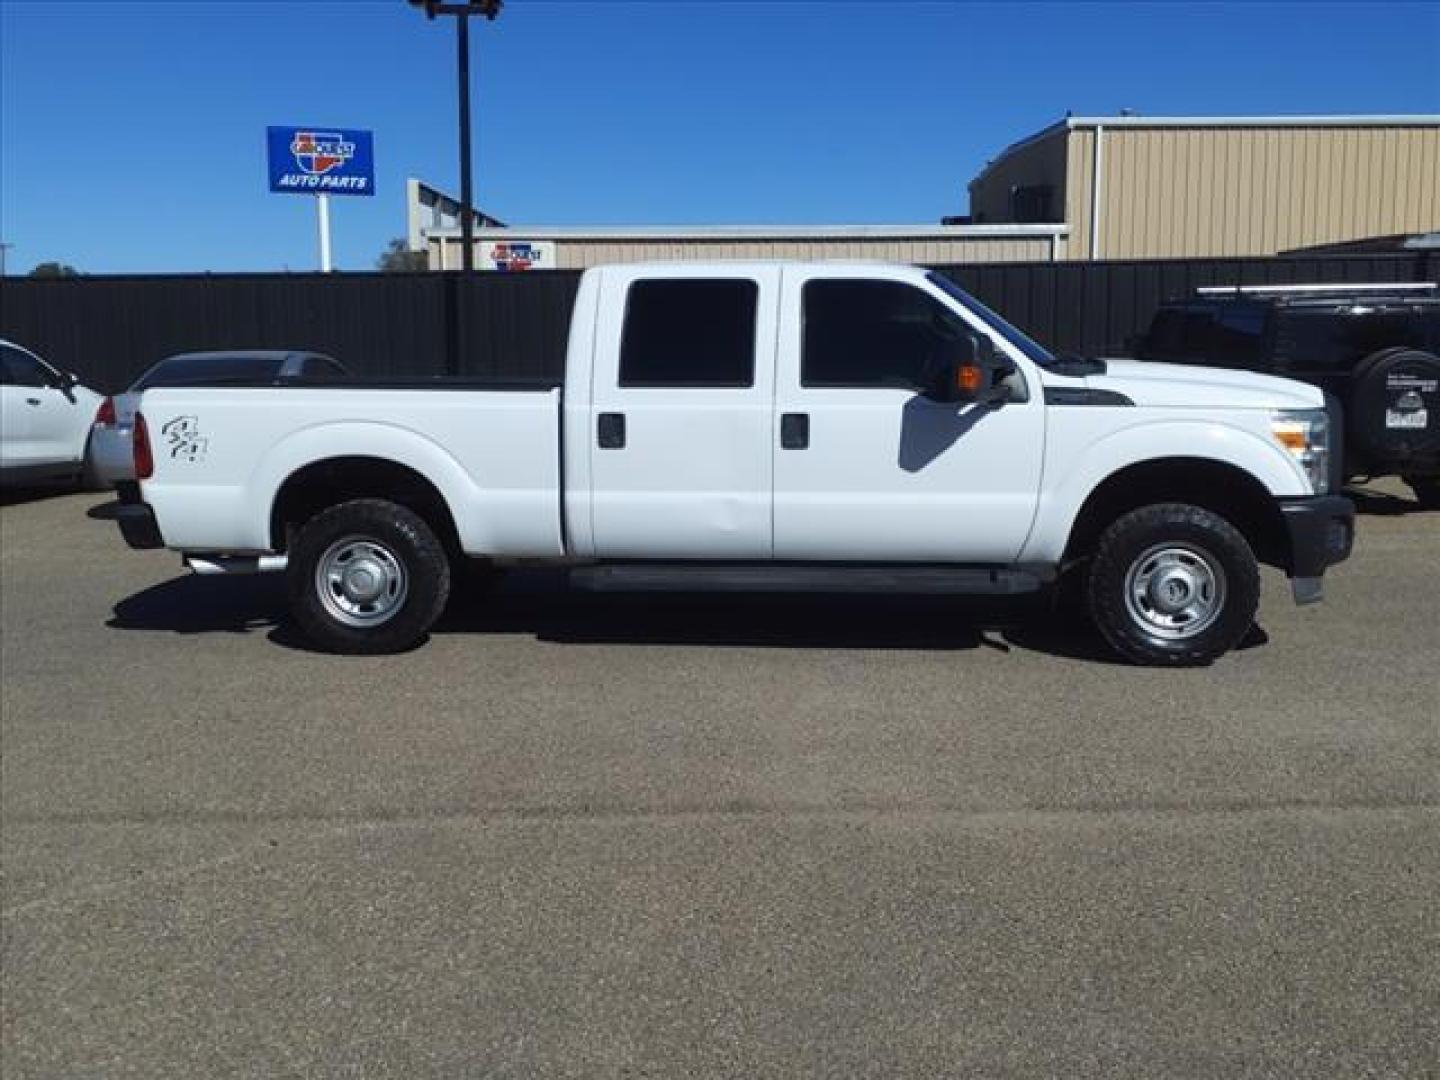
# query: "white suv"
{"type": "Point", "coordinates": [45, 418]}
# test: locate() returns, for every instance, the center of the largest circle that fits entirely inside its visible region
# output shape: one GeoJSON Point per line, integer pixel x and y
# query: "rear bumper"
{"type": "Point", "coordinates": [138, 526]}
{"type": "Point", "coordinates": [1322, 533]}
{"type": "Point", "coordinates": [111, 458]}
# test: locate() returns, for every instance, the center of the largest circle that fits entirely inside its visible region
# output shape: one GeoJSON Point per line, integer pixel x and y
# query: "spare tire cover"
{"type": "Point", "coordinates": [1394, 409]}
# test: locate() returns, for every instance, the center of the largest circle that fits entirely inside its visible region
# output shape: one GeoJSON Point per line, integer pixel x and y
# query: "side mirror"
{"type": "Point", "coordinates": [969, 370]}
{"type": "Point", "coordinates": [63, 381]}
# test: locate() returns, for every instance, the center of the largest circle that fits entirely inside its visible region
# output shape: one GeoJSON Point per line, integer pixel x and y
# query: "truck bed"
{"type": "Point", "coordinates": [491, 447]}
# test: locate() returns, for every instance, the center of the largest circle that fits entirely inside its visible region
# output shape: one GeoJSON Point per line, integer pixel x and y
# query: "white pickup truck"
{"type": "Point", "coordinates": [764, 427]}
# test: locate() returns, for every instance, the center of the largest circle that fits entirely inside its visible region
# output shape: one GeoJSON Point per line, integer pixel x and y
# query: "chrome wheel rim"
{"type": "Point", "coordinates": [361, 582]}
{"type": "Point", "coordinates": [1175, 591]}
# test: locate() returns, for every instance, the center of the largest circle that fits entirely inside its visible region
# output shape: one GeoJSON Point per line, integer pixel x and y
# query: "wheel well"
{"type": "Point", "coordinates": [336, 480]}
{"type": "Point", "coordinates": [1223, 489]}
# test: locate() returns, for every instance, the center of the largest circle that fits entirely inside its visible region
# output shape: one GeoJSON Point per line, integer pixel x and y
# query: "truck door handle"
{"type": "Point", "coordinates": [32, 401]}
{"type": "Point", "coordinates": [610, 430]}
{"type": "Point", "coordinates": [795, 430]}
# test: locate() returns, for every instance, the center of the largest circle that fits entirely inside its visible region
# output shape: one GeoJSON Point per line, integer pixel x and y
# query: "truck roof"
{"type": "Point", "coordinates": [694, 268]}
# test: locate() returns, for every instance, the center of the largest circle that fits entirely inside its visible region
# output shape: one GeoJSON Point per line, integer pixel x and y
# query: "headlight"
{"type": "Point", "coordinates": [1305, 433]}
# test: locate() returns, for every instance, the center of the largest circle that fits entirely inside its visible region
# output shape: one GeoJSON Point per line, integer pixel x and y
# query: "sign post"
{"type": "Point", "coordinates": [462, 10]}
{"type": "Point", "coordinates": [321, 162]}
{"type": "Point", "coordinates": [323, 201]}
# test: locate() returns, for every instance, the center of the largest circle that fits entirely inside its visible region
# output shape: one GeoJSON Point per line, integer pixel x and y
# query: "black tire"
{"type": "Point", "coordinates": [1068, 604]}
{"type": "Point", "coordinates": [1183, 551]}
{"type": "Point", "coordinates": [1426, 489]}
{"type": "Point", "coordinates": [382, 543]}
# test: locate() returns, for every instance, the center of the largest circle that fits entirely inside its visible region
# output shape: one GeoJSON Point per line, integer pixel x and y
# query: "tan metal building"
{"type": "Point", "coordinates": [572, 249]}
{"type": "Point", "coordinates": [434, 227]}
{"type": "Point", "coordinates": [1133, 187]}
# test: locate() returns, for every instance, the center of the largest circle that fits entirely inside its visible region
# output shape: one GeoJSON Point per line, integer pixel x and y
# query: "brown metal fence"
{"type": "Point", "coordinates": [109, 329]}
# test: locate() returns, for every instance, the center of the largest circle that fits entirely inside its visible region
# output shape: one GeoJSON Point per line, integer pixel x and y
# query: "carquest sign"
{"type": "Point", "coordinates": [319, 160]}
{"type": "Point", "coordinates": [518, 255]}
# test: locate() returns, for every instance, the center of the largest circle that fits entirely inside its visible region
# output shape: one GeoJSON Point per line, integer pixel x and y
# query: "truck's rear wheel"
{"type": "Point", "coordinates": [1172, 584]}
{"type": "Point", "coordinates": [367, 576]}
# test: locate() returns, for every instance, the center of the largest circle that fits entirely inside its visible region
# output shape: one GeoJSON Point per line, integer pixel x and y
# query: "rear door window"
{"type": "Point", "coordinates": [693, 333]}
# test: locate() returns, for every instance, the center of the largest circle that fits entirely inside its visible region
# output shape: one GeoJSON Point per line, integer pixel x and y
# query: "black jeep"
{"type": "Point", "coordinates": [1376, 348]}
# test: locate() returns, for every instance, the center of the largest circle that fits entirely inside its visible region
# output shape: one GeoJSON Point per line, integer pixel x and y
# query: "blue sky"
{"type": "Point", "coordinates": [132, 134]}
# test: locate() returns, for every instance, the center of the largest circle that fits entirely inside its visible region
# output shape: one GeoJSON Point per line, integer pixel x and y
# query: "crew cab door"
{"type": "Point", "coordinates": [681, 406]}
{"type": "Point", "coordinates": [867, 467]}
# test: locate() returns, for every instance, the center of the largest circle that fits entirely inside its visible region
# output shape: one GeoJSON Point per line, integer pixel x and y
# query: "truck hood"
{"type": "Point", "coordinates": [1182, 386]}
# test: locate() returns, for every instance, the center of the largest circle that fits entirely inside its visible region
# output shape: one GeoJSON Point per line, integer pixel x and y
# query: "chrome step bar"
{"type": "Point", "coordinates": [211, 565]}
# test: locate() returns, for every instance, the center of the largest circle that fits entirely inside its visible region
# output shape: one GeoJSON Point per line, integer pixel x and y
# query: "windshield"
{"type": "Point", "coordinates": [218, 367]}
{"type": "Point", "coordinates": [1017, 337]}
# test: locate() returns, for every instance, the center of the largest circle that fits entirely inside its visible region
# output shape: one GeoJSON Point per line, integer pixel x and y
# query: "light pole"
{"type": "Point", "coordinates": [462, 12]}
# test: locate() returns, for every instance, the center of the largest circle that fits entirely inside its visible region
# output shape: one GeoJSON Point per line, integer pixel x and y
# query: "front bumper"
{"type": "Point", "coordinates": [1322, 533]}
{"type": "Point", "coordinates": [138, 525]}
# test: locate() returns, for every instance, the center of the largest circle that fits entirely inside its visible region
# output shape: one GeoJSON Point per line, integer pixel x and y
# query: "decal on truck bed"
{"type": "Point", "coordinates": [184, 438]}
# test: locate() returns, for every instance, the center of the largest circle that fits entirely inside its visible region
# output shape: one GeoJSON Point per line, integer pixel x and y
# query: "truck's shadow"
{"type": "Point", "coordinates": [540, 603]}
{"type": "Point", "coordinates": [191, 604]}
{"type": "Point", "coordinates": [1377, 503]}
{"type": "Point", "coordinates": [15, 495]}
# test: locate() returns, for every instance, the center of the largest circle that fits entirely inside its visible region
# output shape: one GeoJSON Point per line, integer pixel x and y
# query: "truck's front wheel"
{"type": "Point", "coordinates": [1172, 584]}
{"type": "Point", "coordinates": [367, 576]}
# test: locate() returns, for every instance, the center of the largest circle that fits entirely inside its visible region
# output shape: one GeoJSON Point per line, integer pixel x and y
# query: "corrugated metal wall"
{"type": "Point", "coordinates": [1080, 191]}
{"type": "Point", "coordinates": [1222, 191]}
{"type": "Point", "coordinates": [1043, 161]}
{"type": "Point", "coordinates": [581, 253]}
{"type": "Point", "coordinates": [109, 329]}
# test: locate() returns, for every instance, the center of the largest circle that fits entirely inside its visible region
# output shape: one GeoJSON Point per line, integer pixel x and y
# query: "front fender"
{"type": "Point", "coordinates": [1072, 472]}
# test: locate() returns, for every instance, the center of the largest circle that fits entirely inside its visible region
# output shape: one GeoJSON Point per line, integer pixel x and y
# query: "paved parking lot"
{"type": "Point", "coordinates": [599, 836]}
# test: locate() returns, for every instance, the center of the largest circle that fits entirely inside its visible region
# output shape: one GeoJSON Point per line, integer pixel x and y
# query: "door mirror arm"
{"type": "Point", "coordinates": [993, 398]}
